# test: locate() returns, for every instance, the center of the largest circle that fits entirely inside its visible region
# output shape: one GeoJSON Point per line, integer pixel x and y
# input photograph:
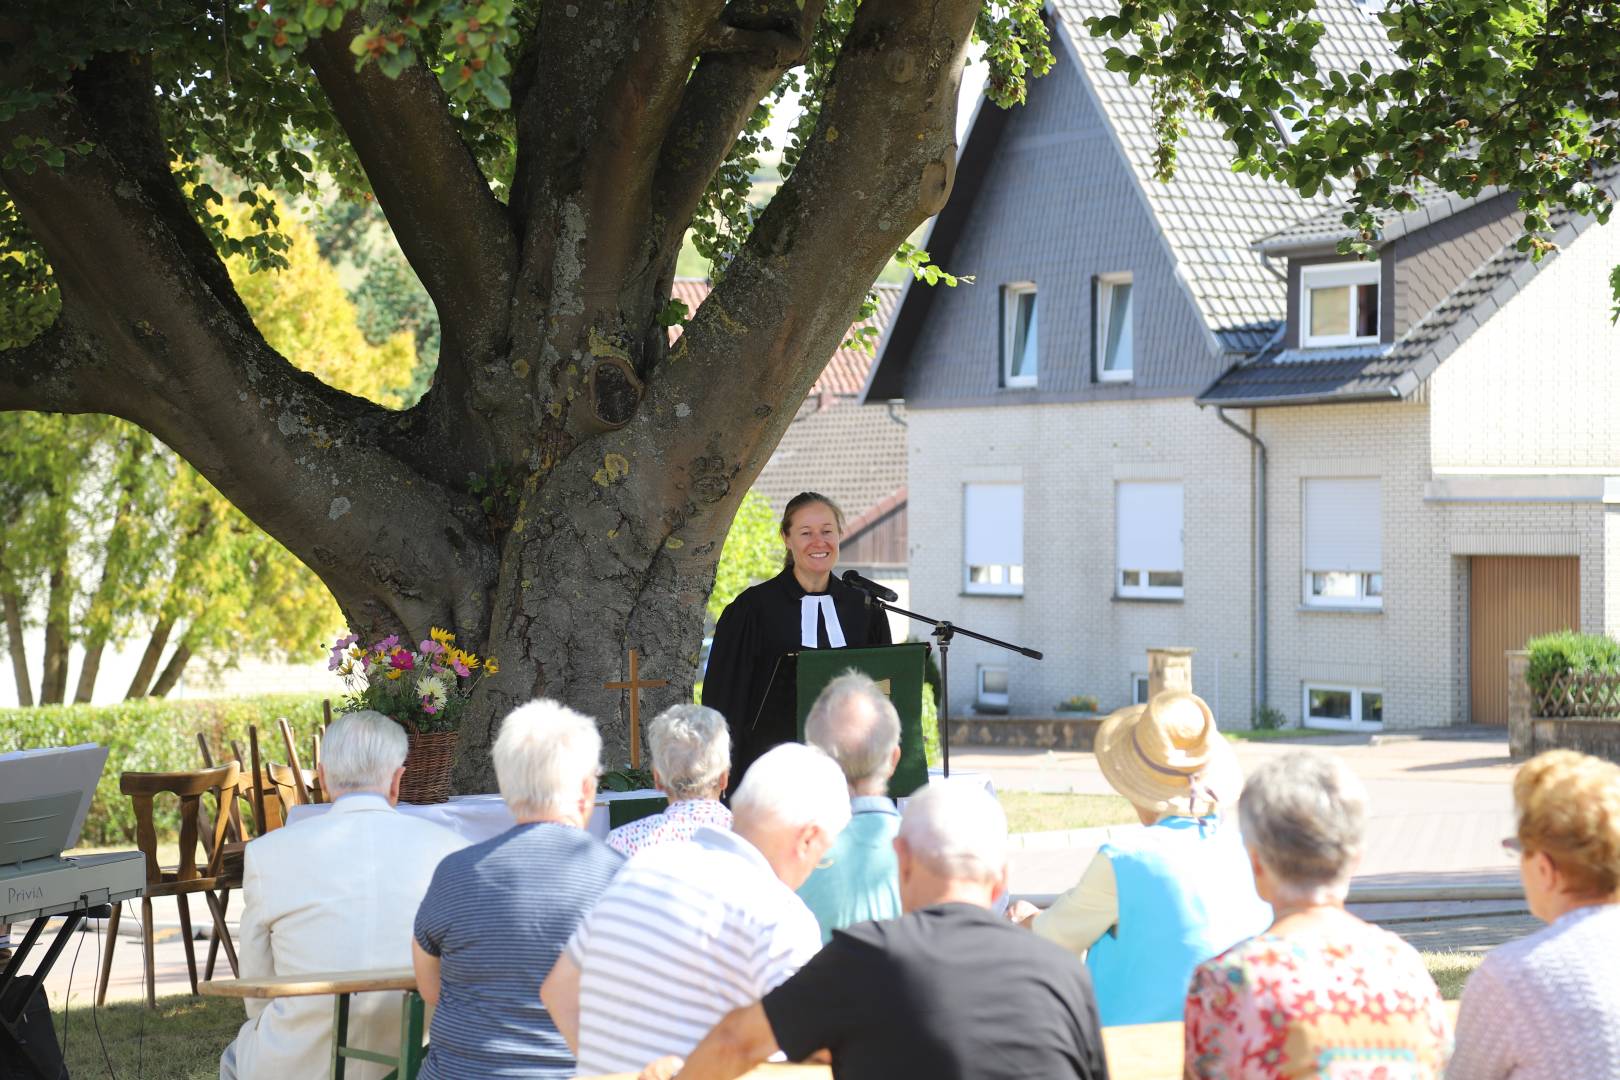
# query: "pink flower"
{"type": "Point", "coordinates": [401, 660]}
{"type": "Point", "coordinates": [428, 706]}
{"type": "Point", "coordinates": [430, 647]}
{"type": "Point", "coordinates": [388, 643]}
{"type": "Point", "coordinates": [338, 649]}
{"type": "Point", "coordinates": [461, 669]}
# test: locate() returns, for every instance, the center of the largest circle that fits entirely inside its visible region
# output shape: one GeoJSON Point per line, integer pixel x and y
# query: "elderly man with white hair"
{"type": "Point", "coordinates": [335, 891]}
{"type": "Point", "coordinates": [856, 724]}
{"type": "Point", "coordinates": [691, 763]}
{"type": "Point", "coordinates": [948, 989]}
{"type": "Point", "coordinates": [691, 930]}
{"type": "Point", "coordinates": [499, 912]}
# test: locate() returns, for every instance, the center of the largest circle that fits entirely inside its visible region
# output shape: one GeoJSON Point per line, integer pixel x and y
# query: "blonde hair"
{"type": "Point", "coordinates": [1569, 807]}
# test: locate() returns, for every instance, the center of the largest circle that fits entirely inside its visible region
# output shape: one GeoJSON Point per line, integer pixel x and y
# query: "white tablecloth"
{"type": "Point", "coordinates": [479, 817]}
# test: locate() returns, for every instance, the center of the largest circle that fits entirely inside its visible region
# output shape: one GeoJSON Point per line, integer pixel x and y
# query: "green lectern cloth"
{"type": "Point", "coordinates": [896, 668]}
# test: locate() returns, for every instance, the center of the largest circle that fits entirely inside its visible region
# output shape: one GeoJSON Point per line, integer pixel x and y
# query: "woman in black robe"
{"type": "Point", "coordinates": [802, 607]}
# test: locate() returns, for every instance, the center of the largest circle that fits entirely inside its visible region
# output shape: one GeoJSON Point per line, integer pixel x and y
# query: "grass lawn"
{"type": "Point", "coordinates": [181, 1040]}
{"type": "Point", "coordinates": [1451, 970]}
{"type": "Point", "coordinates": [1031, 811]}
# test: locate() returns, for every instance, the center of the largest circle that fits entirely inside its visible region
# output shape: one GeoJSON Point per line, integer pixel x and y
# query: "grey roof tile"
{"type": "Point", "coordinates": [1304, 376]}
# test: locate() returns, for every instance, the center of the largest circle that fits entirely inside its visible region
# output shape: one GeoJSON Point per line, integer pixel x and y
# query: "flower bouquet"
{"type": "Point", "coordinates": [424, 689]}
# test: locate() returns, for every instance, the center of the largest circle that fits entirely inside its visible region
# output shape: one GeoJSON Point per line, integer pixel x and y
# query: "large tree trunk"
{"type": "Point", "coordinates": [18, 647]}
{"type": "Point", "coordinates": [155, 643]}
{"type": "Point", "coordinates": [629, 458]}
{"type": "Point", "coordinates": [53, 686]}
{"type": "Point", "coordinates": [171, 670]}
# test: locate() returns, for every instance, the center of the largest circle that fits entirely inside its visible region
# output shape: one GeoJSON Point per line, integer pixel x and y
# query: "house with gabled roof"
{"type": "Point", "coordinates": [1170, 414]}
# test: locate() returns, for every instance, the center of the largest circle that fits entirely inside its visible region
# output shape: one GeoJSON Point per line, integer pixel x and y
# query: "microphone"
{"type": "Point", "coordinates": [870, 587]}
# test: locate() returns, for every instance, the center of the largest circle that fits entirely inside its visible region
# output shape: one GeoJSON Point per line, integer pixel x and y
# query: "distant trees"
{"type": "Point", "coordinates": [107, 536]}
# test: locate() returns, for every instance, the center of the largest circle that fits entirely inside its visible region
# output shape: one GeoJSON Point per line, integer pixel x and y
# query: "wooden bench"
{"type": "Point", "coordinates": [413, 1027]}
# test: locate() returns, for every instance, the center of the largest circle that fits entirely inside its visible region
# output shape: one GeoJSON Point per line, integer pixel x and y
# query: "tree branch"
{"type": "Point", "coordinates": [145, 334]}
{"type": "Point", "coordinates": [880, 162]}
{"type": "Point", "coordinates": [453, 231]}
{"type": "Point", "coordinates": [743, 58]}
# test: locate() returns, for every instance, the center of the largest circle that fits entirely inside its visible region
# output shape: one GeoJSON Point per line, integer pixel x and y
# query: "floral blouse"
{"type": "Point", "coordinates": [1354, 1003]}
{"type": "Point", "coordinates": [678, 821]}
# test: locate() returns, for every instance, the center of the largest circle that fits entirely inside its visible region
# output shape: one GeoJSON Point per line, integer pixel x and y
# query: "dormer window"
{"type": "Point", "coordinates": [1339, 304]}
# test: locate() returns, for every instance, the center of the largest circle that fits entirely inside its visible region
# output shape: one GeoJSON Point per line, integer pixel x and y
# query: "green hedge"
{"type": "Point", "coordinates": [1566, 650]}
{"type": "Point", "coordinates": [153, 735]}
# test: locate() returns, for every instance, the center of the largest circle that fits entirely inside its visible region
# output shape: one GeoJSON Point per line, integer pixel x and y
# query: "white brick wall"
{"type": "Point", "coordinates": [1537, 387]}
{"type": "Point", "coordinates": [1069, 458]}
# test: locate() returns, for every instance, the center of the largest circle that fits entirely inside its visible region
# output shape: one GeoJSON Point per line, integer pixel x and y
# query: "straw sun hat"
{"type": "Point", "coordinates": [1167, 757]}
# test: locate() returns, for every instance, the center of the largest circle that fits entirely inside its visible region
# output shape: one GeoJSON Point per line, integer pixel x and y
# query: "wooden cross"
{"type": "Point", "coordinates": [635, 685]}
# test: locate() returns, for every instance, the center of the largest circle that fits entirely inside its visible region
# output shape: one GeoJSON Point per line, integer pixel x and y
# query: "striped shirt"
{"type": "Point", "coordinates": [677, 821]}
{"type": "Point", "coordinates": [686, 933]}
{"type": "Point", "coordinates": [497, 916]}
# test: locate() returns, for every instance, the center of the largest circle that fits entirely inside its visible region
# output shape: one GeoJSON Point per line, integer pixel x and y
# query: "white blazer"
{"type": "Point", "coordinates": [338, 892]}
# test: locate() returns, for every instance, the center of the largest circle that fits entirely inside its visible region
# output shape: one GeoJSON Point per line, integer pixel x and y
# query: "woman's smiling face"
{"type": "Point", "coordinates": [812, 538]}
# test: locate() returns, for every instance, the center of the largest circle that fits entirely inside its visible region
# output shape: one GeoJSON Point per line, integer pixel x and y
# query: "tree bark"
{"type": "Point", "coordinates": [89, 668]}
{"type": "Point", "coordinates": [53, 685]}
{"type": "Point", "coordinates": [171, 670]}
{"type": "Point", "coordinates": [149, 659]}
{"type": "Point", "coordinates": [628, 459]}
{"type": "Point", "coordinates": [100, 615]}
{"type": "Point", "coordinates": [18, 648]}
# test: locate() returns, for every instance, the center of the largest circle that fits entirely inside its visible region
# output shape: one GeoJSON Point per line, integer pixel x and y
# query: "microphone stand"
{"type": "Point", "coordinates": [944, 630]}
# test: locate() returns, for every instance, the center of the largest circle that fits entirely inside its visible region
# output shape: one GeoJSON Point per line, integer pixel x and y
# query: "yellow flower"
{"type": "Point", "coordinates": [492, 666]}
{"type": "Point", "coordinates": [395, 673]}
{"type": "Point", "coordinates": [443, 637]}
{"type": "Point", "coordinates": [467, 659]}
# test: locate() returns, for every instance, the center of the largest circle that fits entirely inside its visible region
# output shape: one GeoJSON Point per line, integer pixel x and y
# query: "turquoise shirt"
{"type": "Point", "coordinates": [1186, 893]}
{"type": "Point", "coordinates": [858, 880]}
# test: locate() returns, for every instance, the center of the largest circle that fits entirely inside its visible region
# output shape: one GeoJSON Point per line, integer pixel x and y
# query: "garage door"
{"type": "Point", "coordinates": [1510, 601]}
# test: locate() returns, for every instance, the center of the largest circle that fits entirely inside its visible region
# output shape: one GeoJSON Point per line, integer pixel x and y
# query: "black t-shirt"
{"type": "Point", "coordinates": [950, 992]}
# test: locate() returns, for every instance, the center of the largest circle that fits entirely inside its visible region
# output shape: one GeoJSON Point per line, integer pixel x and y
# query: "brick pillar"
{"type": "Point", "coordinates": [1521, 737]}
{"type": "Point", "coordinates": [1169, 669]}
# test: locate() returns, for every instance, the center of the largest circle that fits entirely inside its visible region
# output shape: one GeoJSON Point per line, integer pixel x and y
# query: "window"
{"type": "Point", "coordinates": [993, 544]}
{"type": "Point", "coordinates": [1139, 688]}
{"type": "Point", "coordinates": [1344, 543]}
{"type": "Point", "coordinates": [1346, 708]}
{"type": "Point", "coordinates": [1114, 336]}
{"type": "Point", "coordinates": [992, 696]}
{"type": "Point", "coordinates": [1020, 345]}
{"type": "Point", "coordinates": [1339, 304]}
{"type": "Point", "coordinates": [1149, 539]}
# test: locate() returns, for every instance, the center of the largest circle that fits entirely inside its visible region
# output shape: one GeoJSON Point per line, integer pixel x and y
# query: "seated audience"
{"type": "Point", "coordinates": [1547, 1007]}
{"type": "Point", "coordinates": [947, 990]}
{"type": "Point", "coordinates": [1152, 906]}
{"type": "Point", "coordinates": [691, 763]}
{"type": "Point", "coordinates": [498, 913]}
{"type": "Point", "coordinates": [855, 723]}
{"type": "Point", "coordinates": [1320, 992]}
{"type": "Point", "coordinates": [335, 892]}
{"type": "Point", "coordinates": [692, 930]}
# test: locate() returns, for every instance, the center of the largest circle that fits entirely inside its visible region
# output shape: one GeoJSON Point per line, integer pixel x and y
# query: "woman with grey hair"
{"type": "Point", "coordinates": [691, 760]}
{"type": "Point", "coordinates": [1320, 985]}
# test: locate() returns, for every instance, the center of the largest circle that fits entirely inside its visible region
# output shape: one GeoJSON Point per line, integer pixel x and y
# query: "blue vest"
{"type": "Point", "coordinates": [1186, 893]}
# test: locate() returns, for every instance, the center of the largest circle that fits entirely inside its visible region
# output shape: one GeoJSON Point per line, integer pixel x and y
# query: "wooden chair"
{"type": "Point", "coordinates": [309, 791]}
{"type": "Point", "coordinates": [185, 878]}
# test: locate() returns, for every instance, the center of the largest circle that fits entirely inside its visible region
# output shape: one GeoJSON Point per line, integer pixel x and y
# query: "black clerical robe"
{"type": "Point", "coordinates": [754, 631]}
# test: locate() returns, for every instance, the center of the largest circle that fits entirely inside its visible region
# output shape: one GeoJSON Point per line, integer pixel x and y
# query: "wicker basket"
{"type": "Point", "coordinates": [427, 767]}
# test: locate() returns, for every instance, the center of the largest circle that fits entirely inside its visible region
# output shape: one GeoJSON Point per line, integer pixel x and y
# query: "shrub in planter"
{"type": "Point", "coordinates": [1569, 651]}
{"type": "Point", "coordinates": [1082, 703]}
{"type": "Point", "coordinates": [152, 735]}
